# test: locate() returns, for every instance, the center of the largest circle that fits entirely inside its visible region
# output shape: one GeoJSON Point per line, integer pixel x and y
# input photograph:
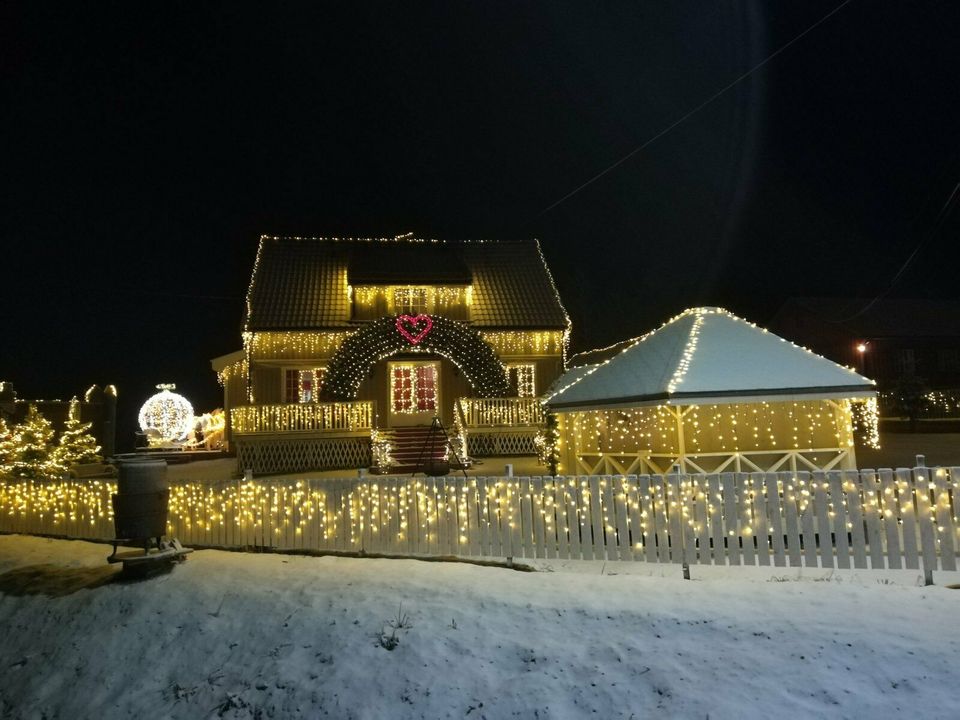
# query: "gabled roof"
{"type": "Point", "coordinates": [302, 283]}
{"type": "Point", "coordinates": [408, 263]}
{"type": "Point", "coordinates": [706, 355]}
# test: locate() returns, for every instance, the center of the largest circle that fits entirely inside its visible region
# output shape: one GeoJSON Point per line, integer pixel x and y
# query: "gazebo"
{"type": "Point", "coordinates": [709, 392]}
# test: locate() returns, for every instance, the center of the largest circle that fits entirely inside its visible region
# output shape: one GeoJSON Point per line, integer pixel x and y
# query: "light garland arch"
{"type": "Point", "coordinates": [457, 342]}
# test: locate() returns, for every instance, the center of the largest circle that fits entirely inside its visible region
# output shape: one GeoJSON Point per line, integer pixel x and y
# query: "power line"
{"type": "Point", "coordinates": [941, 218]}
{"type": "Point", "coordinates": [697, 109]}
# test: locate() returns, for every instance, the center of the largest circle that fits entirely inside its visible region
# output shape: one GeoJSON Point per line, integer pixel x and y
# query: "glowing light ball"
{"type": "Point", "coordinates": [168, 413]}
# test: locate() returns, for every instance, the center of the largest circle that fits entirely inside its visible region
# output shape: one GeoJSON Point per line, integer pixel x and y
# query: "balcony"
{"type": "Point", "coordinates": [502, 412]}
{"type": "Point", "coordinates": [335, 417]}
{"type": "Point", "coordinates": [498, 426]}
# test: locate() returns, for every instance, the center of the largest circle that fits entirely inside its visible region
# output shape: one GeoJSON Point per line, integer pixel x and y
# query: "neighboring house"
{"type": "Point", "coordinates": [888, 340]}
{"type": "Point", "coordinates": [345, 336]}
{"type": "Point", "coordinates": [708, 392]}
{"type": "Point", "coordinates": [98, 407]}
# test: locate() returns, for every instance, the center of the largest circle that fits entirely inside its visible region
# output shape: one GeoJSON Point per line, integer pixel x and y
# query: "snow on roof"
{"type": "Point", "coordinates": [706, 355]}
{"type": "Point", "coordinates": [571, 376]}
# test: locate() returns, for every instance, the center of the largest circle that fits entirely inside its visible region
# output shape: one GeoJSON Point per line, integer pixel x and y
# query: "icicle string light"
{"type": "Point", "coordinates": [235, 370]}
{"type": "Point", "coordinates": [437, 298]}
{"type": "Point", "coordinates": [816, 428]}
{"type": "Point", "coordinates": [866, 420]}
{"type": "Point", "coordinates": [726, 427]}
{"type": "Point", "coordinates": [659, 518]}
{"type": "Point", "coordinates": [519, 342]}
{"type": "Point", "coordinates": [295, 345]}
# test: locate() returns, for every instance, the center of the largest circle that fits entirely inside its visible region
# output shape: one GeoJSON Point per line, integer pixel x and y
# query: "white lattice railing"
{"type": "Point", "coordinates": [316, 417]}
{"type": "Point", "coordinates": [301, 453]}
{"type": "Point", "coordinates": [777, 460]}
{"type": "Point", "coordinates": [499, 412]}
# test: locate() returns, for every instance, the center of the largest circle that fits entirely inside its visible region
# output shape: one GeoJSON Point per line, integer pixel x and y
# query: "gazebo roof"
{"type": "Point", "coordinates": [706, 355]}
{"type": "Point", "coordinates": [570, 376]}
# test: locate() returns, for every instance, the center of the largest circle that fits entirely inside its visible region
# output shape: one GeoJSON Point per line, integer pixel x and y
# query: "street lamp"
{"type": "Point", "coordinates": [861, 352]}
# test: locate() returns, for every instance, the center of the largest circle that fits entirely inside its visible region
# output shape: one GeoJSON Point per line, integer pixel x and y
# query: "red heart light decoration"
{"type": "Point", "coordinates": [414, 329]}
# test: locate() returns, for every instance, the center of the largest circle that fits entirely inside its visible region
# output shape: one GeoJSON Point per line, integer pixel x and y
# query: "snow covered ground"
{"type": "Point", "coordinates": [248, 636]}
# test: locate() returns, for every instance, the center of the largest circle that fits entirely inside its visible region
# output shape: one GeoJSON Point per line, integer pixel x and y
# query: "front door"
{"type": "Point", "coordinates": [414, 392]}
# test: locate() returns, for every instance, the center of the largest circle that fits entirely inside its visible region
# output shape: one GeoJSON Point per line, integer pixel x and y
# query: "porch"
{"type": "Point", "coordinates": [301, 437]}
{"type": "Point", "coordinates": [495, 427]}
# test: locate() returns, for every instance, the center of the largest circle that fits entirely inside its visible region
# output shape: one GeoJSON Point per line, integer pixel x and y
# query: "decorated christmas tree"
{"type": "Point", "coordinates": [380, 451]}
{"type": "Point", "coordinates": [77, 445]}
{"type": "Point", "coordinates": [33, 449]}
{"type": "Point", "coordinates": [6, 447]}
{"type": "Point", "coordinates": [547, 443]}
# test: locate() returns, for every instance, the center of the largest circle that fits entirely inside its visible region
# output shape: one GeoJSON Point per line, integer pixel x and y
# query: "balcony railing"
{"type": "Point", "coordinates": [499, 412]}
{"type": "Point", "coordinates": [310, 417]}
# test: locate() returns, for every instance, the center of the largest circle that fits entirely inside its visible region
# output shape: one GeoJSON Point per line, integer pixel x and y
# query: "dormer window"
{"type": "Point", "coordinates": [410, 301]}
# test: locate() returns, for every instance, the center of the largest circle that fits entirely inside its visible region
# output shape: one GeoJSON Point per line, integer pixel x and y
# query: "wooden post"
{"type": "Point", "coordinates": [681, 445]}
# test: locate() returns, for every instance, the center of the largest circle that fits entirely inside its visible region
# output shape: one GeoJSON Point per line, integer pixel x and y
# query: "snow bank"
{"type": "Point", "coordinates": [240, 635]}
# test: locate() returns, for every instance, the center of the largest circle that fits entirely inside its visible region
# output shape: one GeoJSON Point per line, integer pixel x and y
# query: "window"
{"type": "Point", "coordinates": [401, 389]}
{"type": "Point", "coordinates": [413, 388]}
{"type": "Point", "coordinates": [410, 301]}
{"type": "Point", "coordinates": [303, 386]}
{"type": "Point", "coordinates": [291, 387]}
{"type": "Point", "coordinates": [426, 388]}
{"type": "Point", "coordinates": [523, 379]}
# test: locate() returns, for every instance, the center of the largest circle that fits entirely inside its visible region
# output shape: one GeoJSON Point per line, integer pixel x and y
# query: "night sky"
{"type": "Point", "coordinates": [148, 146]}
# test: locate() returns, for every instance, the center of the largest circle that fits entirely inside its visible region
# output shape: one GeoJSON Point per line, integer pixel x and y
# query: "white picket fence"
{"type": "Point", "coordinates": [890, 519]}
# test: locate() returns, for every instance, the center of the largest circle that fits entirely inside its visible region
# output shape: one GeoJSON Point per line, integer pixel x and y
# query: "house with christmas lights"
{"type": "Point", "coordinates": [709, 392]}
{"type": "Point", "coordinates": [353, 344]}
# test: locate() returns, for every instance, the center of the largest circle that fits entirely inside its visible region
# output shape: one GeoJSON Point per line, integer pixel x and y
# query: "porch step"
{"type": "Point", "coordinates": [412, 445]}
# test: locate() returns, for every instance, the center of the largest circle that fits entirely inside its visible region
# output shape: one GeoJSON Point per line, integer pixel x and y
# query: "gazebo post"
{"type": "Point", "coordinates": [681, 445]}
{"type": "Point", "coordinates": [843, 418]}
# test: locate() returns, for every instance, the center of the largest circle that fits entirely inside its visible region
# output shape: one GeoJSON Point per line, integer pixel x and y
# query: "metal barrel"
{"type": "Point", "coordinates": [140, 505]}
{"type": "Point", "coordinates": [141, 476]}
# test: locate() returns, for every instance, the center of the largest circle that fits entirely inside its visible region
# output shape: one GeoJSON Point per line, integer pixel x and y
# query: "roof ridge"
{"type": "Point", "coordinates": [408, 238]}
{"type": "Point", "coordinates": [633, 342]}
{"type": "Point", "coordinates": [689, 349]}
